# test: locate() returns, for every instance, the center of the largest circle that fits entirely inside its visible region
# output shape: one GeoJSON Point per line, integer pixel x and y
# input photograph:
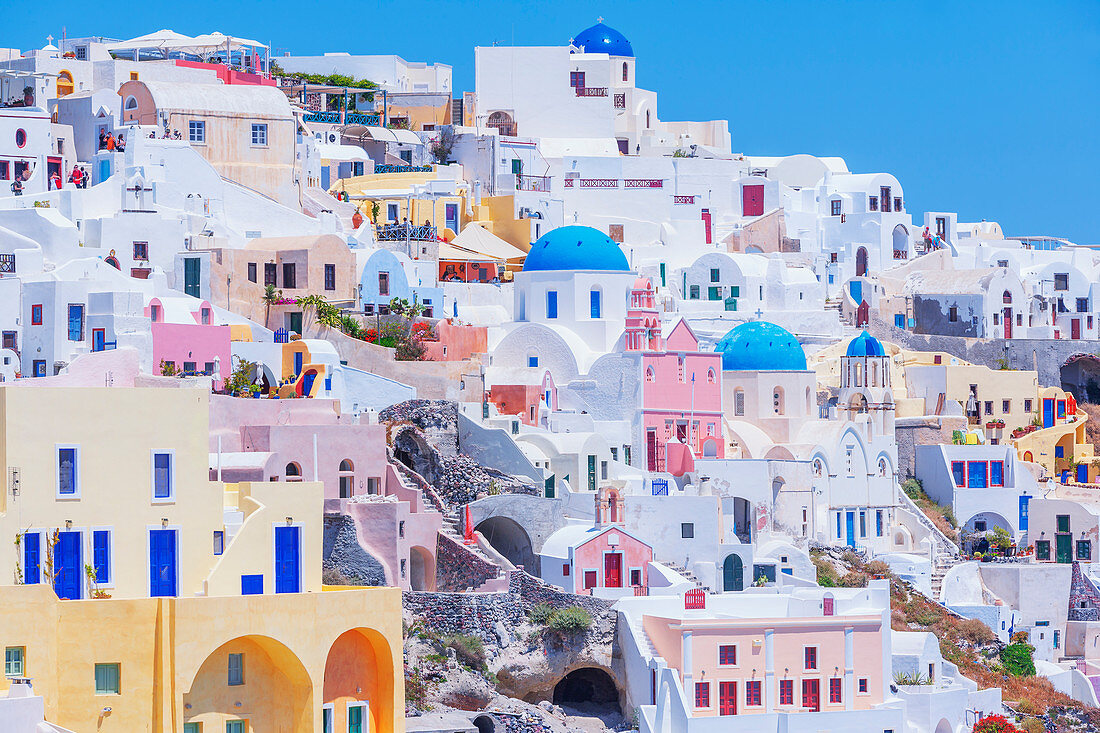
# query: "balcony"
{"type": "Point", "coordinates": [591, 91]}
{"type": "Point", "coordinates": [540, 184]}
{"type": "Point", "coordinates": [7, 264]}
{"type": "Point", "coordinates": [333, 117]}
{"type": "Point", "coordinates": [359, 118]}
{"type": "Point", "coordinates": [405, 233]}
{"type": "Point", "coordinates": [391, 168]}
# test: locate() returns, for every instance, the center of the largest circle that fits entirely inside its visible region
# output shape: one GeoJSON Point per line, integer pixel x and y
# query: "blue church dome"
{"type": "Point", "coordinates": [760, 346]}
{"type": "Point", "coordinates": [575, 248]}
{"type": "Point", "coordinates": [865, 345]}
{"type": "Point", "coordinates": [603, 39]}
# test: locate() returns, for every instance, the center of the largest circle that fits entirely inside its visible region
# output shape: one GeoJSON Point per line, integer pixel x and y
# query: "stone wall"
{"type": "Point", "coordinates": [1084, 599]}
{"type": "Point", "coordinates": [456, 568]}
{"type": "Point", "coordinates": [913, 431]}
{"type": "Point", "coordinates": [341, 554]}
{"type": "Point", "coordinates": [473, 614]}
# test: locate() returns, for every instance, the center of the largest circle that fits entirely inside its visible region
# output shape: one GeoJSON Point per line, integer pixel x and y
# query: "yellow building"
{"type": "Point", "coordinates": [109, 493]}
{"type": "Point", "coordinates": [300, 663]}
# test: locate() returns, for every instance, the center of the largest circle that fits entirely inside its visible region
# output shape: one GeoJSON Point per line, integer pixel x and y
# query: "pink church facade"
{"type": "Point", "coordinates": [185, 335]}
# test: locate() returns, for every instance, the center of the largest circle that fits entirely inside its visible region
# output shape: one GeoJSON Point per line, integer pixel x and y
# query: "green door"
{"type": "Point", "coordinates": [191, 276]}
{"type": "Point", "coordinates": [733, 574]}
{"type": "Point", "coordinates": [592, 473]}
{"type": "Point", "coordinates": [295, 322]}
{"type": "Point", "coordinates": [1064, 549]}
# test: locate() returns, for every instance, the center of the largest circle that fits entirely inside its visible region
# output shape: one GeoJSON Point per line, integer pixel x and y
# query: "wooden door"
{"type": "Point", "coordinates": [811, 695]}
{"type": "Point", "coordinates": [752, 200]}
{"type": "Point", "coordinates": [1007, 316]}
{"type": "Point", "coordinates": [1075, 329]}
{"type": "Point", "coordinates": [727, 698]}
{"type": "Point", "coordinates": [613, 570]}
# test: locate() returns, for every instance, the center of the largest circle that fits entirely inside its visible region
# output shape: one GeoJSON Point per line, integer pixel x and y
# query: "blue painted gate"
{"type": "Point", "coordinates": [162, 562]}
{"type": "Point", "coordinates": [287, 557]}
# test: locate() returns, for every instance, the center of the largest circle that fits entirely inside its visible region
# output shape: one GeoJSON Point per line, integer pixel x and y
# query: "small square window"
{"type": "Point", "coordinates": [236, 669]}
{"type": "Point", "coordinates": [259, 134]}
{"type": "Point", "coordinates": [196, 131]}
{"type": "Point", "coordinates": [863, 685]}
{"type": "Point", "coordinates": [687, 530]}
{"type": "Point", "coordinates": [13, 661]}
{"type": "Point", "coordinates": [727, 654]}
{"type": "Point", "coordinates": [835, 211]}
{"type": "Point", "coordinates": [141, 250]}
{"type": "Point", "coordinates": [693, 292]}
{"type": "Point", "coordinates": [107, 679]}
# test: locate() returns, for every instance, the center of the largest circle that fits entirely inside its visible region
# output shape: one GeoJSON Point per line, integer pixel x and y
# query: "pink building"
{"type": "Point", "coordinates": [681, 388]}
{"type": "Point", "coordinates": [187, 338]}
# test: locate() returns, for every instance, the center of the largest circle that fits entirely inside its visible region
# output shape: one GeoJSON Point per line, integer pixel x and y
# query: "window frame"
{"type": "Point", "coordinates": [259, 135]}
{"type": "Point", "coordinates": [330, 276]}
{"type": "Point", "coordinates": [105, 666]}
{"type": "Point", "coordinates": [171, 496]}
{"type": "Point", "coordinates": [836, 691]}
{"type": "Point", "coordinates": [36, 314]}
{"type": "Point", "coordinates": [1078, 545]}
{"type": "Point", "coordinates": [786, 692]}
{"type": "Point", "coordinates": [8, 670]}
{"type": "Point", "coordinates": [809, 658]}
{"type": "Point", "coordinates": [723, 651]}
{"type": "Point", "coordinates": [75, 493]}
{"type": "Point", "coordinates": [109, 567]}
{"type": "Point", "coordinates": [238, 679]}
{"type": "Point", "coordinates": [702, 693]}
{"type": "Point", "coordinates": [196, 132]}
{"type": "Point", "coordinates": [753, 693]}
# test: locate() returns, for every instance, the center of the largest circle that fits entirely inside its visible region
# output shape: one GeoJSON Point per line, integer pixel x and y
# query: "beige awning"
{"type": "Point", "coordinates": [481, 242]}
{"type": "Point", "coordinates": [380, 134]}
{"type": "Point", "coordinates": [407, 136]}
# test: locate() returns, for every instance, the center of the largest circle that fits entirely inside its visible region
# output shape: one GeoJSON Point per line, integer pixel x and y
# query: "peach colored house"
{"type": "Point", "coordinates": [187, 338]}
{"type": "Point", "coordinates": [456, 342]}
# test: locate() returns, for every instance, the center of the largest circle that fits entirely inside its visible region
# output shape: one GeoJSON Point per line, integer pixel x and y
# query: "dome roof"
{"type": "Point", "coordinates": [575, 248]}
{"type": "Point", "coordinates": [603, 39]}
{"type": "Point", "coordinates": [760, 346]}
{"type": "Point", "coordinates": [865, 345]}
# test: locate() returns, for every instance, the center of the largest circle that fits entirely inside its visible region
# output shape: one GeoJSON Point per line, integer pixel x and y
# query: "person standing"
{"type": "Point", "coordinates": [17, 186]}
{"type": "Point", "coordinates": [55, 181]}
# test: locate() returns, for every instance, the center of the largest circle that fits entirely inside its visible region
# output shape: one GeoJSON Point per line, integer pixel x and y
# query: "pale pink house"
{"type": "Point", "coordinates": [681, 388]}
{"type": "Point", "coordinates": [187, 336]}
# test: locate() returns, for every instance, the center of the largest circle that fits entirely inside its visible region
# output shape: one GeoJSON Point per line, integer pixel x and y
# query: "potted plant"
{"type": "Point", "coordinates": [256, 391]}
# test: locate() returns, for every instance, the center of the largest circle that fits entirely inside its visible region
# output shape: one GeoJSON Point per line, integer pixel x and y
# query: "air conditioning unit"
{"type": "Point", "coordinates": [332, 137]}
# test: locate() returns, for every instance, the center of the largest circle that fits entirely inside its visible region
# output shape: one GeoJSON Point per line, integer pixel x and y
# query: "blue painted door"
{"type": "Point", "coordinates": [32, 558]}
{"type": "Point", "coordinates": [162, 562]}
{"type": "Point", "coordinates": [104, 169]}
{"type": "Point", "coordinates": [98, 339]}
{"type": "Point", "coordinates": [298, 361]}
{"type": "Point", "coordinates": [68, 566]}
{"type": "Point", "coordinates": [1023, 511]}
{"type": "Point", "coordinates": [326, 175]}
{"type": "Point", "coordinates": [1083, 473]}
{"type": "Point", "coordinates": [287, 555]}
{"type": "Point", "coordinates": [1048, 413]}
{"type": "Point", "coordinates": [451, 211]}
{"type": "Point", "coordinates": [307, 383]}
{"type": "Point", "coordinates": [850, 528]}
{"type": "Point", "coordinates": [856, 289]}
{"type": "Point", "coordinates": [76, 322]}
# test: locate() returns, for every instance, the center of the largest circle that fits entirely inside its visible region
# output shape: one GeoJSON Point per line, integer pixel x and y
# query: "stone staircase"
{"type": "Point", "coordinates": [939, 569]}
{"type": "Point", "coordinates": [688, 574]}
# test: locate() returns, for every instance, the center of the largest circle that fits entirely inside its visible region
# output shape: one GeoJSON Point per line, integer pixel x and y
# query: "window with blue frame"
{"type": "Point", "coordinates": [532, 361]}
{"type": "Point", "coordinates": [162, 475]}
{"type": "Point", "coordinates": [67, 472]}
{"type": "Point", "coordinates": [878, 523]}
{"type": "Point", "coordinates": [32, 557]}
{"type": "Point", "coordinates": [997, 473]}
{"type": "Point", "coordinates": [958, 472]}
{"type": "Point", "coordinates": [551, 303]}
{"type": "Point", "coordinates": [977, 474]}
{"type": "Point", "coordinates": [1059, 451]}
{"type": "Point", "coordinates": [76, 322]}
{"type": "Point", "coordinates": [594, 302]}
{"type": "Point", "coordinates": [101, 555]}
{"type": "Point", "coordinates": [839, 529]}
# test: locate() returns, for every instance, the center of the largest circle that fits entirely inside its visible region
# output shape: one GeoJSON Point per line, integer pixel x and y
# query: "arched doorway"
{"type": "Point", "coordinates": [485, 724]}
{"type": "Point", "coordinates": [943, 726]}
{"type": "Point", "coordinates": [359, 681]}
{"type": "Point", "coordinates": [742, 519]}
{"type": "Point", "coordinates": [587, 687]}
{"type": "Point", "coordinates": [861, 262]}
{"type": "Point", "coordinates": [733, 573]}
{"type": "Point", "coordinates": [293, 472]}
{"type": "Point", "coordinates": [901, 243]}
{"type": "Point", "coordinates": [511, 540]}
{"type": "Point", "coordinates": [421, 569]}
{"type": "Point", "coordinates": [347, 478]}
{"type": "Point", "coordinates": [267, 685]}
{"type": "Point", "coordinates": [64, 83]}
{"type": "Point", "coordinates": [1081, 376]}
{"type": "Point", "coordinates": [1006, 313]}
{"type": "Point", "coordinates": [503, 122]}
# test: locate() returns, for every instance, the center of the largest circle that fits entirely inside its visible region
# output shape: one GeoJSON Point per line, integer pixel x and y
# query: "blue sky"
{"type": "Point", "coordinates": [990, 109]}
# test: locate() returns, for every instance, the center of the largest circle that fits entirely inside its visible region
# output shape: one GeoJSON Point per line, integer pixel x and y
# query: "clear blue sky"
{"type": "Point", "coordinates": [991, 109]}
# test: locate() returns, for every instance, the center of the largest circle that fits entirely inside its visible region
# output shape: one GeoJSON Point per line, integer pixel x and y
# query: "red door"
{"type": "Point", "coordinates": [752, 200]}
{"type": "Point", "coordinates": [706, 223]}
{"type": "Point", "coordinates": [1075, 329]}
{"type": "Point", "coordinates": [613, 570]}
{"type": "Point", "coordinates": [1007, 315]}
{"type": "Point", "coordinates": [811, 695]}
{"type": "Point", "coordinates": [651, 449]}
{"type": "Point", "coordinates": [727, 698]}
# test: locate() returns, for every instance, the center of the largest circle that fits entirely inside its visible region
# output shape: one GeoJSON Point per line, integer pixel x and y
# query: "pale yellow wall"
{"type": "Point", "coordinates": [995, 386]}
{"type": "Point", "coordinates": [172, 654]}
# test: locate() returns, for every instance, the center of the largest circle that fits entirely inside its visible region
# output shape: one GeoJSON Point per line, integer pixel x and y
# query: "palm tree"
{"type": "Point", "coordinates": [270, 297]}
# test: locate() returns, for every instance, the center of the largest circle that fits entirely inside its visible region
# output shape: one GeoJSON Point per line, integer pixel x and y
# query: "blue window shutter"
{"type": "Point", "coordinates": [31, 558]}
{"type": "Point", "coordinates": [552, 304]}
{"type": "Point", "coordinates": [162, 475]}
{"type": "Point", "coordinates": [101, 555]}
{"type": "Point", "coordinates": [252, 585]}
{"type": "Point", "coordinates": [996, 473]}
{"type": "Point", "coordinates": [594, 298]}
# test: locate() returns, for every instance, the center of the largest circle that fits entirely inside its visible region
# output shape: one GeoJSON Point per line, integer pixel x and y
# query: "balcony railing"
{"type": "Point", "coordinates": [7, 264]}
{"type": "Point", "coordinates": [620, 101]}
{"type": "Point", "coordinates": [533, 183]}
{"type": "Point", "coordinates": [359, 118]}
{"type": "Point", "coordinates": [390, 168]}
{"type": "Point", "coordinates": [683, 199]}
{"type": "Point", "coordinates": [591, 91]}
{"type": "Point", "coordinates": [406, 232]}
{"type": "Point", "coordinates": [332, 118]}
{"type": "Point", "coordinates": [643, 183]}
{"type": "Point", "coordinates": [336, 117]}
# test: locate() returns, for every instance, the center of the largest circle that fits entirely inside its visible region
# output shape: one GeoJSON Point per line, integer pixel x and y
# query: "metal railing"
{"type": "Point", "coordinates": [620, 101]}
{"type": "Point", "coordinates": [533, 183]}
{"type": "Point", "coordinates": [327, 117]}
{"type": "Point", "coordinates": [406, 232]}
{"type": "Point", "coordinates": [591, 91]}
{"type": "Point", "coordinates": [391, 168]}
{"type": "Point", "coordinates": [360, 118]}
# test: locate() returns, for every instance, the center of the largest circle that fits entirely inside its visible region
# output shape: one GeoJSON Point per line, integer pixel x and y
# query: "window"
{"type": "Point", "coordinates": [1084, 550]}
{"type": "Point", "coordinates": [330, 277]}
{"type": "Point", "coordinates": [714, 274]}
{"type": "Point", "coordinates": [752, 692]}
{"type": "Point", "coordinates": [979, 525]}
{"type": "Point", "coordinates": [236, 669]}
{"type": "Point", "coordinates": [1063, 523]}
{"type": "Point", "coordinates": [532, 361]}
{"type": "Point", "coordinates": [1042, 549]}
{"type": "Point", "coordinates": [251, 272]}
{"type": "Point", "coordinates": [192, 728]}
{"type": "Point", "coordinates": [141, 250]}
{"type": "Point", "coordinates": [727, 654]}
{"type": "Point", "coordinates": [68, 471]}
{"type": "Point", "coordinates": [953, 314]}
{"type": "Point", "coordinates": [101, 555]}
{"type": "Point", "coordinates": [863, 685]}
{"type": "Point", "coordinates": [13, 661]}
{"type": "Point", "coordinates": [988, 407]}
{"type": "Point", "coordinates": [551, 303]}
{"type": "Point", "coordinates": [196, 131]}
{"type": "Point", "coordinates": [594, 303]}
{"type": "Point", "coordinates": [1027, 405]}
{"type": "Point", "coordinates": [739, 402]}
{"type": "Point", "coordinates": [1082, 305]}
{"type": "Point", "coordinates": [834, 690]}
{"type": "Point", "coordinates": [626, 72]}
{"type": "Point", "coordinates": [1057, 639]}
{"type": "Point", "coordinates": [603, 470]}
{"type": "Point", "coordinates": [1006, 406]}
{"type": "Point", "coordinates": [236, 726]}
{"type": "Point", "coordinates": [897, 204]}
{"type": "Point", "coordinates": [835, 211]}
{"type": "Point", "coordinates": [996, 473]}
{"type": "Point", "coordinates": [589, 579]}
{"type": "Point", "coordinates": [208, 367]}
{"type": "Point", "coordinates": [687, 530]}
{"type": "Point", "coordinates": [269, 274]}
{"type": "Point", "coordinates": [259, 134]}
{"type": "Point", "coordinates": [36, 315]}
{"type": "Point", "coordinates": [576, 79]}
{"type": "Point", "coordinates": [693, 292]}
{"type": "Point", "coordinates": [885, 197]}
{"type": "Point", "coordinates": [289, 280]}
{"type": "Point", "coordinates": [714, 293]}
{"type": "Point", "coordinates": [977, 474]}
{"type": "Point", "coordinates": [162, 469]}
{"type": "Point", "coordinates": [872, 203]}
{"type": "Point", "coordinates": [636, 576]}
{"type": "Point", "coordinates": [810, 657]}
{"type": "Point", "coordinates": [1061, 281]}
{"type": "Point", "coordinates": [786, 692]}
{"type": "Point", "coordinates": [958, 472]}
{"type": "Point", "coordinates": [878, 523]}
{"type": "Point", "coordinates": [107, 679]}
{"type": "Point", "coordinates": [219, 542]}
{"type": "Point", "coordinates": [383, 283]}
{"type": "Point", "coordinates": [355, 717]}
{"type": "Point", "coordinates": [76, 322]}
{"type": "Point", "coordinates": [702, 694]}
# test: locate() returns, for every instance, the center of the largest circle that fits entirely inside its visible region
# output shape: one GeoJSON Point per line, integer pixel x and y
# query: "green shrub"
{"type": "Point", "coordinates": [1017, 660]}
{"type": "Point", "coordinates": [469, 650]}
{"type": "Point", "coordinates": [913, 488]}
{"type": "Point", "coordinates": [570, 620]}
{"type": "Point", "coordinates": [540, 613]}
{"type": "Point", "coordinates": [826, 573]}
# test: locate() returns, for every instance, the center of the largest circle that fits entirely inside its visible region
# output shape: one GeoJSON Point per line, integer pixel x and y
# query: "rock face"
{"type": "Point", "coordinates": [342, 557]}
{"type": "Point", "coordinates": [437, 421]}
{"type": "Point", "coordinates": [457, 569]}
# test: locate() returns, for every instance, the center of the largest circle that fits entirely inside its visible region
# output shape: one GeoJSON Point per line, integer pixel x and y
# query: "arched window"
{"type": "Point", "coordinates": [1007, 298]}
{"type": "Point", "coordinates": [858, 374]}
{"type": "Point", "coordinates": [64, 83]}
{"type": "Point", "coordinates": [502, 121]}
{"type": "Point", "coordinates": [347, 479]}
{"type": "Point", "coordinates": [739, 402]}
{"type": "Point", "coordinates": [293, 472]}
{"type": "Point", "coordinates": [647, 119]}
{"type": "Point", "coordinates": [649, 374]}
{"type": "Point", "coordinates": [711, 376]}
{"type": "Point", "coordinates": [131, 102]}
{"type": "Point", "coordinates": [626, 72]}
{"type": "Point", "coordinates": [874, 374]}
{"type": "Point", "coordinates": [777, 400]}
